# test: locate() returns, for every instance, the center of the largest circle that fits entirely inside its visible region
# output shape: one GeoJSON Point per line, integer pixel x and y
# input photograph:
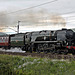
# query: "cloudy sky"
{"type": "Point", "coordinates": [36, 15]}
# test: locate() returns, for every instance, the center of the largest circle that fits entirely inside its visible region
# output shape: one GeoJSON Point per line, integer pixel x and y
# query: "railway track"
{"type": "Point", "coordinates": [42, 55]}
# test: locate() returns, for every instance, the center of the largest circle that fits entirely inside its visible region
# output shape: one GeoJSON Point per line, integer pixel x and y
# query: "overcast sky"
{"type": "Point", "coordinates": [64, 9]}
{"type": "Point", "coordinates": [59, 6]}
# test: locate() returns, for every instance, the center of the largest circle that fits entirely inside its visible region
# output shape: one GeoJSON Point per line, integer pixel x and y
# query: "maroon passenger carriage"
{"type": "Point", "coordinates": [4, 41]}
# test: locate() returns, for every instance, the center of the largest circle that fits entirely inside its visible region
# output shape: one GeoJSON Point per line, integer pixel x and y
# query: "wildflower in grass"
{"type": "Point", "coordinates": [39, 62]}
{"type": "Point", "coordinates": [35, 60]}
{"type": "Point", "coordinates": [14, 68]}
{"type": "Point", "coordinates": [23, 58]}
{"type": "Point", "coordinates": [19, 66]}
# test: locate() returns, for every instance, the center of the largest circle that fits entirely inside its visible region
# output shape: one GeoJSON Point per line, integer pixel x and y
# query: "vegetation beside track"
{"type": "Point", "coordinates": [26, 65]}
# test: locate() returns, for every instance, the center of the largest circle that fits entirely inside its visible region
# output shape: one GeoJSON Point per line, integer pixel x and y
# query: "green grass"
{"type": "Point", "coordinates": [21, 65]}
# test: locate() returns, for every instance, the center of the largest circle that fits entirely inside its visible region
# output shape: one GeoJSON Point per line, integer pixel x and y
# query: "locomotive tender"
{"type": "Point", "coordinates": [59, 41]}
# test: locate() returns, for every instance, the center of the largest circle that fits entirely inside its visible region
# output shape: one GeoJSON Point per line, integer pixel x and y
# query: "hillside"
{"type": "Point", "coordinates": [1, 33]}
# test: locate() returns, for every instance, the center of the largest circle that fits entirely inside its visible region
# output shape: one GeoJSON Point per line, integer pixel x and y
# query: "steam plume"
{"type": "Point", "coordinates": [58, 20]}
{"type": "Point", "coordinates": [32, 18]}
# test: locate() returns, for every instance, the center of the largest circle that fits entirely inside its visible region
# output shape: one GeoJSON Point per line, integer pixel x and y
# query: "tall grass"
{"type": "Point", "coordinates": [21, 65]}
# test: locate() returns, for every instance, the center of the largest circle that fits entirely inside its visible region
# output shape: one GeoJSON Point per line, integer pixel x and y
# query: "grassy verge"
{"type": "Point", "coordinates": [21, 65]}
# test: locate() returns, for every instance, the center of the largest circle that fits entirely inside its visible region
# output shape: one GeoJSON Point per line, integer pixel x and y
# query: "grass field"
{"type": "Point", "coordinates": [21, 65]}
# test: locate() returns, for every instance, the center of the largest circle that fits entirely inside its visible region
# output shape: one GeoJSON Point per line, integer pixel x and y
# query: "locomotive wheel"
{"type": "Point", "coordinates": [45, 51]}
{"type": "Point", "coordinates": [53, 51]}
{"type": "Point", "coordinates": [62, 52]}
{"type": "Point", "coordinates": [73, 51]}
{"type": "Point", "coordinates": [38, 51]}
{"type": "Point", "coordinates": [44, 46]}
{"type": "Point", "coordinates": [23, 48]}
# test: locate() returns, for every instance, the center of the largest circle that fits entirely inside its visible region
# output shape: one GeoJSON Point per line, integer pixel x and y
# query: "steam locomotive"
{"type": "Point", "coordinates": [56, 41]}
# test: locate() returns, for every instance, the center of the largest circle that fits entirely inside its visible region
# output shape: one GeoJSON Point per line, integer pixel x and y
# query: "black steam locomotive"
{"type": "Point", "coordinates": [59, 41]}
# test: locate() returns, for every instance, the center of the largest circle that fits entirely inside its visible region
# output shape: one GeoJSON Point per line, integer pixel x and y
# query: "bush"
{"type": "Point", "coordinates": [20, 65]}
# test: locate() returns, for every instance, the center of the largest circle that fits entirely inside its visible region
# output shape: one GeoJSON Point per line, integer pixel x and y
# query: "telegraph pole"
{"type": "Point", "coordinates": [18, 27]}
